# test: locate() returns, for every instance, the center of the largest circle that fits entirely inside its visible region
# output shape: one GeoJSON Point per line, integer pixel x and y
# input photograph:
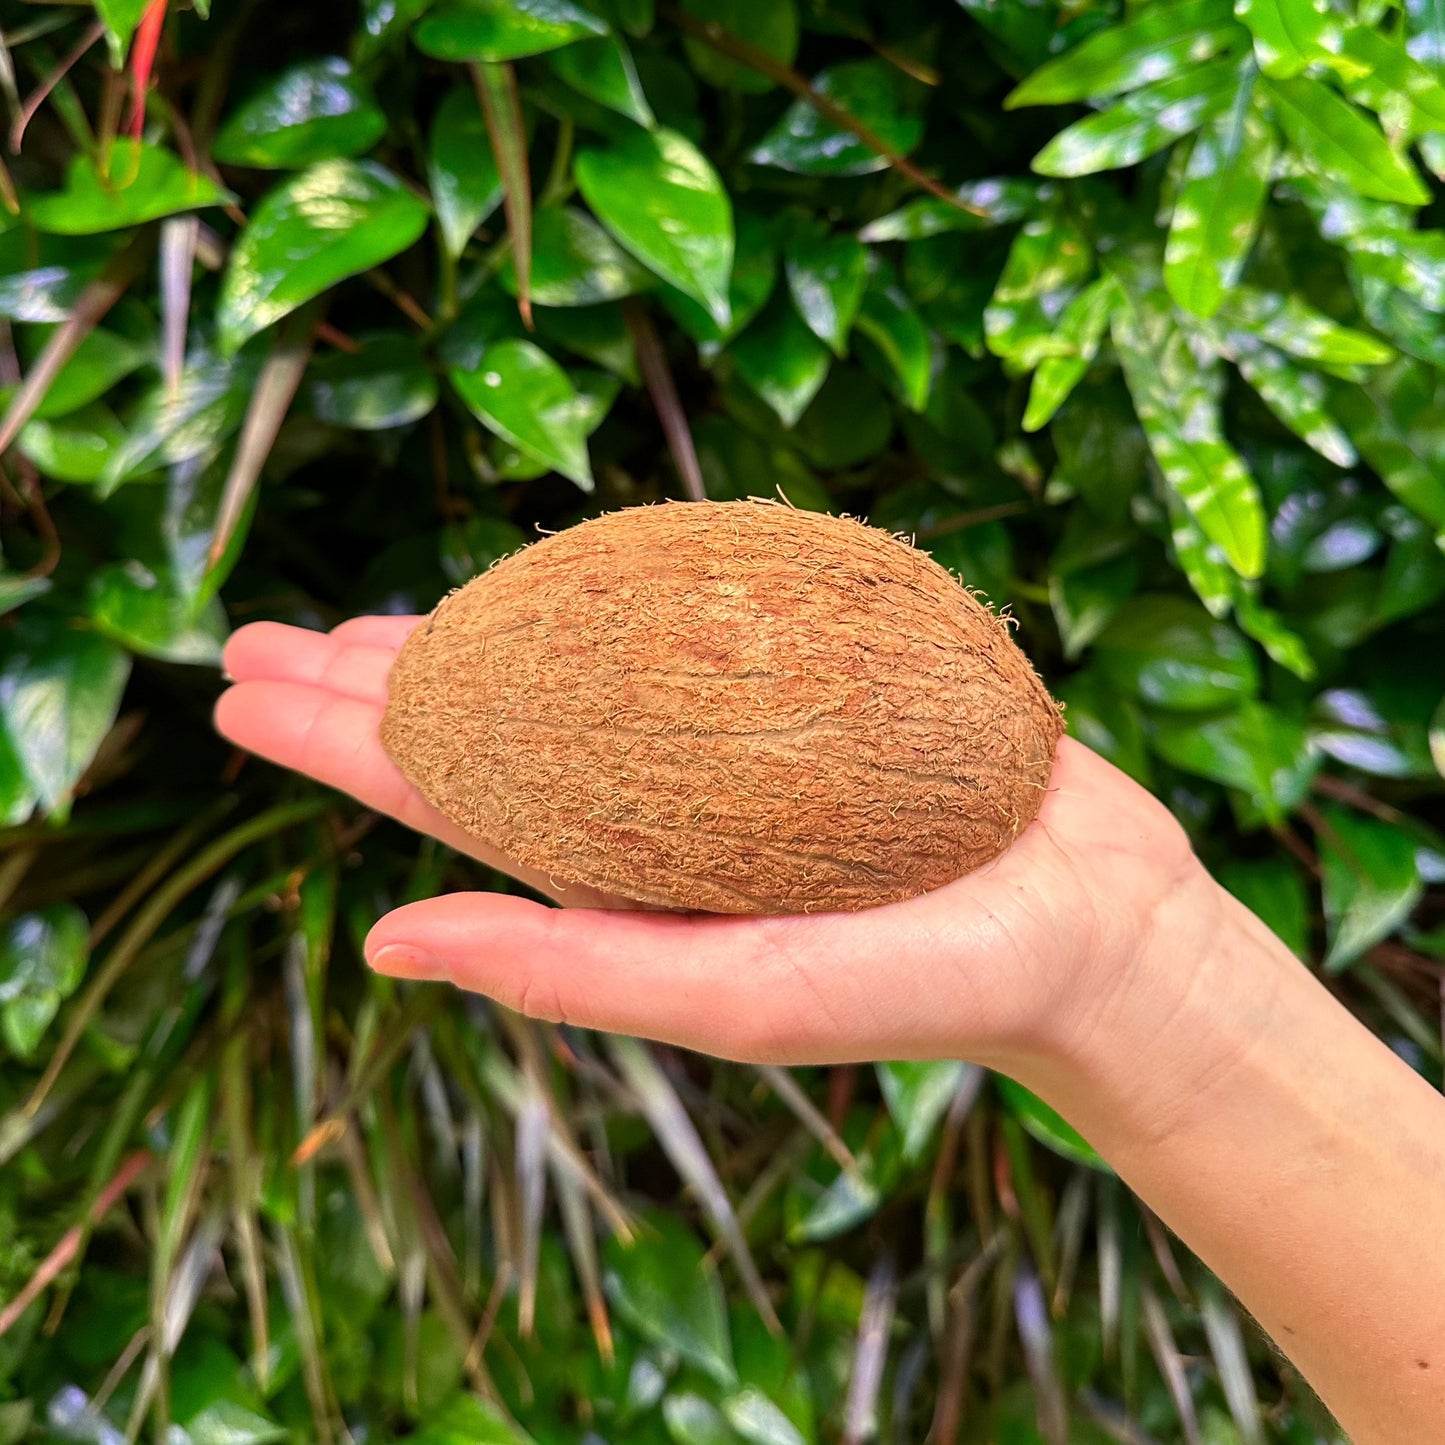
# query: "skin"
{"type": "Point", "coordinates": [1096, 962]}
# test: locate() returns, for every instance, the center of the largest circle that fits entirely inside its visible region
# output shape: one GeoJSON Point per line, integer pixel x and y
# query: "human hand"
{"type": "Point", "coordinates": [1012, 961]}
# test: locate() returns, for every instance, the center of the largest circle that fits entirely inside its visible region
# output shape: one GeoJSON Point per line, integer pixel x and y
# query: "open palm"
{"type": "Point", "coordinates": [978, 968]}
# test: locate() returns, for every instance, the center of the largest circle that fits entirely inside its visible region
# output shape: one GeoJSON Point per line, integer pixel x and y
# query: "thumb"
{"type": "Point", "coordinates": [799, 989]}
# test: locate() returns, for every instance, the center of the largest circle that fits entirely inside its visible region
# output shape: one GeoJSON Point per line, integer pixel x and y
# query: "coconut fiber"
{"type": "Point", "coordinates": [733, 707]}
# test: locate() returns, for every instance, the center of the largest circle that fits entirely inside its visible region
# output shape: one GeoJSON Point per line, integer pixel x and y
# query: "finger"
{"type": "Point", "coordinates": [790, 989]}
{"type": "Point", "coordinates": [335, 740]}
{"type": "Point", "coordinates": [386, 632]}
{"type": "Point", "coordinates": [272, 652]}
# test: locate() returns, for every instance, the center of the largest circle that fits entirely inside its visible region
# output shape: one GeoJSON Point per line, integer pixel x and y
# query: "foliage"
{"type": "Point", "coordinates": [1133, 314]}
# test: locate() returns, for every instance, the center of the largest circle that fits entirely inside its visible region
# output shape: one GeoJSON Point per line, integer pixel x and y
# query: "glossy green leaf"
{"type": "Point", "coordinates": [1281, 643]}
{"type": "Point", "coordinates": [74, 448]}
{"type": "Point", "coordinates": [1398, 424]}
{"type": "Point", "coordinates": [599, 334]}
{"type": "Point", "coordinates": [1140, 124]}
{"type": "Point", "coordinates": [315, 111]}
{"type": "Point", "coordinates": [466, 186]}
{"type": "Point", "coordinates": [1087, 601]}
{"type": "Point", "coordinates": [758, 1421]}
{"type": "Point", "coordinates": [1181, 420]}
{"type": "Point", "coordinates": [1340, 142]}
{"type": "Point", "coordinates": [1204, 565]}
{"type": "Point", "coordinates": [1298, 398]}
{"type": "Point", "coordinates": [1273, 890]}
{"type": "Point", "coordinates": [987, 203]}
{"type": "Point", "coordinates": [1257, 750]}
{"type": "Point", "coordinates": [1394, 82]}
{"type": "Point", "coordinates": [1103, 718]}
{"type": "Point", "coordinates": [661, 198]}
{"type": "Point", "coordinates": [827, 274]}
{"type": "Point", "coordinates": [665, 1289]}
{"type": "Point", "coordinates": [603, 70]}
{"type": "Point", "coordinates": [782, 360]}
{"type": "Point", "coordinates": [1374, 733]}
{"type": "Point", "coordinates": [1171, 654]}
{"type": "Point", "coordinates": [1157, 42]}
{"type": "Point", "coordinates": [770, 25]}
{"type": "Point", "coordinates": [384, 21]}
{"type": "Point", "coordinates": [1296, 327]}
{"type": "Point", "coordinates": [145, 613]}
{"type": "Point", "coordinates": [140, 182]}
{"type": "Point", "coordinates": [169, 427]}
{"type": "Point", "coordinates": [1290, 35]}
{"type": "Point", "coordinates": [693, 1420]}
{"type": "Point", "coordinates": [1370, 881]}
{"type": "Point", "coordinates": [16, 589]}
{"type": "Point", "coordinates": [522, 395]}
{"type": "Point", "coordinates": [101, 360]}
{"type": "Point", "coordinates": [1217, 213]}
{"type": "Point", "coordinates": [887, 318]}
{"type": "Point", "coordinates": [386, 383]}
{"type": "Point", "coordinates": [42, 961]}
{"type": "Point", "coordinates": [871, 91]}
{"type": "Point", "coordinates": [467, 1420]}
{"type": "Point", "coordinates": [502, 29]}
{"type": "Point", "coordinates": [1081, 324]}
{"type": "Point", "coordinates": [918, 1095]}
{"type": "Point", "coordinates": [60, 690]}
{"type": "Point", "coordinates": [1047, 1125]}
{"type": "Point", "coordinates": [575, 262]}
{"type": "Point", "coordinates": [121, 18]}
{"type": "Point", "coordinates": [330, 222]}
{"type": "Point", "coordinates": [754, 274]}
{"type": "Point", "coordinates": [1048, 260]}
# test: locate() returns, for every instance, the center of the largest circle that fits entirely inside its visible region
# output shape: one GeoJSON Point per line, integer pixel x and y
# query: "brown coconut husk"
{"type": "Point", "coordinates": [733, 707]}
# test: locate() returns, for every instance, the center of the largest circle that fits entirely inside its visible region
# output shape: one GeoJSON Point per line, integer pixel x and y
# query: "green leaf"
{"type": "Point", "coordinates": [918, 1095]}
{"type": "Point", "coordinates": [597, 333]}
{"type": "Point", "coordinates": [827, 274]}
{"type": "Point", "coordinates": [1181, 420]}
{"type": "Point", "coordinates": [770, 25]}
{"type": "Point", "coordinates": [1081, 324]}
{"type": "Point", "coordinates": [603, 70]}
{"type": "Point", "coordinates": [102, 359]}
{"type": "Point", "coordinates": [121, 18]}
{"type": "Point", "coordinates": [1370, 882]}
{"type": "Point", "coordinates": [1171, 654]}
{"type": "Point", "coordinates": [1141, 123]}
{"type": "Point", "coordinates": [76, 448]}
{"type": "Point", "coordinates": [1085, 602]}
{"type": "Point", "coordinates": [871, 91]}
{"type": "Point", "coordinates": [502, 29]}
{"type": "Point", "coordinates": [1291, 34]}
{"type": "Point", "coordinates": [1394, 82]}
{"type": "Point", "coordinates": [1437, 738]}
{"type": "Point", "coordinates": [1272, 889]}
{"type": "Point", "coordinates": [330, 222]}
{"type": "Point", "coordinates": [693, 1420]}
{"type": "Point", "coordinates": [386, 383]}
{"type": "Point", "coordinates": [1217, 214]}
{"type": "Point", "coordinates": [782, 360]}
{"type": "Point", "coordinates": [575, 262]}
{"type": "Point", "coordinates": [466, 1420]}
{"type": "Point", "coordinates": [660, 197]}
{"type": "Point", "coordinates": [60, 689]}
{"type": "Point", "coordinates": [663, 1286]}
{"type": "Point", "coordinates": [1049, 258]}
{"type": "Point", "coordinates": [759, 1421]}
{"type": "Point", "coordinates": [139, 183]}
{"type": "Point", "coordinates": [1339, 142]}
{"type": "Point", "coordinates": [42, 961]}
{"type": "Point", "coordinates": [1295, 327]}
{"type": "Point", "coordinates": [1298, 398]}
{"type": "Point", "coordinates": [1048, 1126]}
{"type": "Point", "coordinates": [225, 1422]}
{"type": "Point", "coordinates": [888, 320]}
{"type": "Point", "coordinates": [993, 202]}
{"type": "Point", "coordinates": [1214, 581]}
{"type": "Point", "coordinates": [16, 589]}
{"type": "Point", "coordinates": [169, 427]}
{"type": "Point", "coordinates": [1257, 750]}
{"type": "Point", "coordinates": [383, 21]}
{"type": "Point", "coordinates": [145, 613]}
{"type": "Point", "coordinates": [315, 111]}
{"type": "Point", "coordinates": [754, 274]}
{"type": "Point", "coordinates": [1103, 718]}
{"type": "Point", "coordinates": [1282, 644]}
{"type": "Point", "coordinates": [1157, 43]}
{"type": "Point", "coordinates": [522, 395]}
{"type": "Point", "coordinates": [1398, 424]}
{"type": "Point", "coordinates": [466, 186]}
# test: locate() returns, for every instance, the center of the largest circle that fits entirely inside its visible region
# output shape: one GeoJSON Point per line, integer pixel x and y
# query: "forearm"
{"type": "Point", "coordinates": [1292, 1150]}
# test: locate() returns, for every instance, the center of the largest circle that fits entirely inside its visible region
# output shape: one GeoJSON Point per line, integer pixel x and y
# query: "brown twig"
{"type": "Point", "coordinates": [652, 359]}
{"type": "Point", "coordinates": [718, 38]}
{"type": "Point", "coordinates": [976, 518]}
{"type": "Point", "coordinates": [1345, 792]}
{"type": "Point", "coordinates": [38, 96]}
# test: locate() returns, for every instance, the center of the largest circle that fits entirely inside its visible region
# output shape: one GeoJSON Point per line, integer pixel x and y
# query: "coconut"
{"type": "Point", "coordinates": [732, 707]}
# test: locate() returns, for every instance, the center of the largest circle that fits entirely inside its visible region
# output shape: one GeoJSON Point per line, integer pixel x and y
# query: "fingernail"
{"type": "Point", "coordinates": [400, 960]}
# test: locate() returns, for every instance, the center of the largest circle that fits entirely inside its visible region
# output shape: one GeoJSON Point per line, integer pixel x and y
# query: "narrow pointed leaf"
{"type": "Point", "coordinates": [1082, 324]}
{"type": "Point", "coordinates": [1298, 398]}
{"type": "Point", "coordinates": [1290, 35]}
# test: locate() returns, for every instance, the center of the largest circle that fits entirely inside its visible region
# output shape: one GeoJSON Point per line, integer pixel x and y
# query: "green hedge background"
{"type": "Point", "coordinates": [1132, 314]}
